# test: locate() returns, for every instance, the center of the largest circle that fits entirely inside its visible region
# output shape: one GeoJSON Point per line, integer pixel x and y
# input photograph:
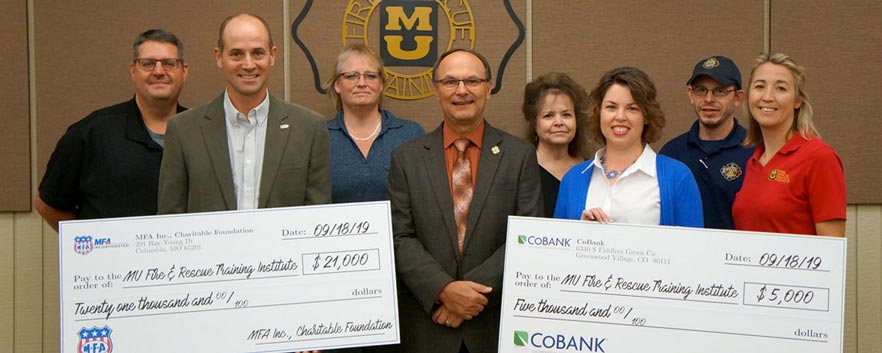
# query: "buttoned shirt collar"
{"type": "Point", "coordinates": [246, 137]}
{"type": "Point", "coordinates": [644, 163]}
{"type": "Point", "coordinates": [232, 115]}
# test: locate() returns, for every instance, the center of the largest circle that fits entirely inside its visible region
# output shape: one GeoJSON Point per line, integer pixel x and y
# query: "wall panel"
{"type": "Point", "coordinates": [322, 33]}
{"type": "Point", "coordinates": [7, 281]}
{"type": "Point", "coordinates": [851, 233]}
{"type": "Point", "coordinates": [840, 44]}
{"type": "Point", "coordinates": [28, 287]}
{"type": "Point", "coordinates": [665, 39]}
{"type": "Point", "coordinates": [869, 278]}
{"type": "Point", "coordinates": [14, 145]}
{"type": "Point", "coordinates": [84, 49]}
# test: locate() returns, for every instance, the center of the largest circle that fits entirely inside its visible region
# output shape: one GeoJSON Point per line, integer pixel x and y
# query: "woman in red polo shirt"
{"type": "Point", "coordinates": [794, 182]}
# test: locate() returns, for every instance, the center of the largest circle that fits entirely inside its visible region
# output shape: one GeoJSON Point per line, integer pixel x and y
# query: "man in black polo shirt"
{"type": "Point", "coordinates": [712, 147]}
{"type": "Point", "coordinates": [107, 164]}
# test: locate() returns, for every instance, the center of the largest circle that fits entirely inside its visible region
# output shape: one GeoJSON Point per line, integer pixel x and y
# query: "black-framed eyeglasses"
{"type": "Point", "coordinates": [452, 83]}
{"type": "Point", "coordinates": [353, 76]}
{"type": "Point", "coordinates": [701, 91]}
{"type": "Point", "coordinates": [148, 64]}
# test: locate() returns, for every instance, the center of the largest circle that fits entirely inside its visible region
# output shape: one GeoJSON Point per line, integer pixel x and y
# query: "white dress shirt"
{"type": "Point", "coordinates": [634, 198]}
{"type": "Point", "coordinates": [246, 135]}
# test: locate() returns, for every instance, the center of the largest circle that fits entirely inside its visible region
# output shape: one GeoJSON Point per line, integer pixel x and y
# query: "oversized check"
{"type": "Point", "coordinates": [572, 286]}
{"type": "Point", "coordinates": [269, 280]}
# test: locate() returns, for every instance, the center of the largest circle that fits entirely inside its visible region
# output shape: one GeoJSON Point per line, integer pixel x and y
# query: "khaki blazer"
{"type": "Point", "coordinates": [196, 176]}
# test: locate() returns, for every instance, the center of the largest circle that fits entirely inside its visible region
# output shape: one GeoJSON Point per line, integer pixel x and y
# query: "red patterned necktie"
{"type": "Point", "coordinates": [462, 190]}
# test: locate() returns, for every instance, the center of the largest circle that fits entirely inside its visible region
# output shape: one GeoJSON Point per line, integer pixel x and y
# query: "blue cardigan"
{"type": "Point", "coordinates": [680, 199]}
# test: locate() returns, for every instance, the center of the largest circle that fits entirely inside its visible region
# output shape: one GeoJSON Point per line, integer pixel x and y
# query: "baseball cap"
{"type": "Point", "coordinates": [719, 68]}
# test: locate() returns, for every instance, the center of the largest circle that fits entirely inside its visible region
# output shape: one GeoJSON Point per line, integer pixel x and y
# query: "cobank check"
{"type": "Point", "coordinates": [572, 286]}
{"type": "Point", "coordinates": [269, 280]}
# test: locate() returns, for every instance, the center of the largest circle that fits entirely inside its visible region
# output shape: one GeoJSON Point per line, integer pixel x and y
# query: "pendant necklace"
{"type": "Point", "coordinates": [610, 173]}
{"type": "Point", "coordinates": [376, 129]}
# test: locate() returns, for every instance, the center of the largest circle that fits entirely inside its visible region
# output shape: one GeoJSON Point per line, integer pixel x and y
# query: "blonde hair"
{"type": "Point", "coordinates": [349, 51]}
{"type": "Point", "coordinates": [802, 122]}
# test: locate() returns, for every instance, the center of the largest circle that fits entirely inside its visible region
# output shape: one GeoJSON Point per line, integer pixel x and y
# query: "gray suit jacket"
{"type": "Point", "coordinates": [196, 175]}
{"type": "Point", "coordinates": [426, 252]}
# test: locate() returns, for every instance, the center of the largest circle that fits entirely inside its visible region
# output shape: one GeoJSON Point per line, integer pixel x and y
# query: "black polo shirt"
{"type": "Point", "coordinates": [105, 165]}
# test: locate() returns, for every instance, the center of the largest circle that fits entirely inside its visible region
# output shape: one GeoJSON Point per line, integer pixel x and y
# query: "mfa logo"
{"type": "Point", "coordinates": [559, 342]}
{"type": "Point", "coordinates": [409, 36]}
{"type": "Point", "coordinates": [95, 340]}
{"type": "Point", "coordinates": [83, 244]}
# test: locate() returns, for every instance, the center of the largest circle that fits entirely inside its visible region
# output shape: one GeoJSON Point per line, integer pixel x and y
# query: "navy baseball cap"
{"type": "Point", "coordinates": [719, 68]}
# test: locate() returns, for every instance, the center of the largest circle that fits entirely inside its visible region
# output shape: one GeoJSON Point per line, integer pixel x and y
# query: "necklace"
{"type": "Point", "coordinates": [376, 129]}
{"type": "Point", "coordinates": [610, 173]}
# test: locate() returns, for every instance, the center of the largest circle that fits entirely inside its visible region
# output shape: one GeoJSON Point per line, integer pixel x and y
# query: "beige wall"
{"type": "Point", "coordinates": [78, 58]}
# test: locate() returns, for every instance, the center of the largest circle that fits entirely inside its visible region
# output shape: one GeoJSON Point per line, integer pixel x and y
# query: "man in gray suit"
{"type": "Point", "coordinates": [246, 149]}
{"type": "Point", "coordinates": [450, 264]}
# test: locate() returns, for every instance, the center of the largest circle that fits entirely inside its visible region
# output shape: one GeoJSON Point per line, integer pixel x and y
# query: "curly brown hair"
{"type": "Point", "coordinates": [557, 83]}
{"type": "Point", "coordinates": [644, 94]}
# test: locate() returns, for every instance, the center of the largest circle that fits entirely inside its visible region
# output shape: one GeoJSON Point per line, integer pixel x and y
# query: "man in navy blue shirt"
{"type": "Point", "coordinates": [712, 147]}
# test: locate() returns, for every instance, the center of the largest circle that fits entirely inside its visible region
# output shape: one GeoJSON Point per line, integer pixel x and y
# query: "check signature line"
{"type": "Point", "coordinates": [324, 338]}
{"type": "Point", "coordinates": [648, 297]}
{"type": "Point", "coordinates": [678, 329]}
{"type": "Point", "coordinates": [214, 281]}
{"type": "Point", "coordinates": [234, 308]}
{"type": "Point", "coordinates": [329, 236]}
{"type": "Point", "coordinates": [773, 267]}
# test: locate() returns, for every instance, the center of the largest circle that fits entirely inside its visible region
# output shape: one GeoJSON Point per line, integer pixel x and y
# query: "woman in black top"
{"type": "Point", "coordinates": [555, 110]}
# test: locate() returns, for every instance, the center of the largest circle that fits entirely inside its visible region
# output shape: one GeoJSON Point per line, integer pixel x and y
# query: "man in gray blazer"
{"type": "Point", "coordinates": [450, 265]}
{"type": "Point", "coordinates": [245, 149]}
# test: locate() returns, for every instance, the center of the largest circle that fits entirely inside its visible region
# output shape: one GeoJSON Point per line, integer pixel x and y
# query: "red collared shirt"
{"type": "Point", "coordinates": [473, 152]}
{"type": "Point", "coordinates": [801, 185]}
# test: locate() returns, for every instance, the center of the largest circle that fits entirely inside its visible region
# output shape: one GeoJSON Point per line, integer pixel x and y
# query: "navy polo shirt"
{"type": "Point", "coordinates": [718, 168]}
{"type": "Point", "coordinates": [105, 165]}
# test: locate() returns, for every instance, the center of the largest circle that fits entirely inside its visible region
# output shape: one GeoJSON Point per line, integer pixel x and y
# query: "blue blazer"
{"type": "Point", "coordinates": [680, 199]}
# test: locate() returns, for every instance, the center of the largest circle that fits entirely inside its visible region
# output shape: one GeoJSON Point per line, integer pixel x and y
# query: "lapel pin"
{"type": "Point", "coordinates": [283, 126]}
{"type": "Point", "coordinates": [495, 150]}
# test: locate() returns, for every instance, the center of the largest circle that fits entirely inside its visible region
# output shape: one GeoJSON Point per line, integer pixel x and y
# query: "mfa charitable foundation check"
{"type": "Point", "coordinates": [269, 280]}
{"type": "Point", "coordinates": [572, 286]}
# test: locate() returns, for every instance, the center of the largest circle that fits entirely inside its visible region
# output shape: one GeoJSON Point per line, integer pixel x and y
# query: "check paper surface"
{"type": "Point", "coordinates": [572, 286]}
{"type": "Point", "coordinates": [269, 280]}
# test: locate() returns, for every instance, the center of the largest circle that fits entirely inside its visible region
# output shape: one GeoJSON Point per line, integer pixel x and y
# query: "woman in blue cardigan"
{"type": "Point", "coordinates": [629, 182]}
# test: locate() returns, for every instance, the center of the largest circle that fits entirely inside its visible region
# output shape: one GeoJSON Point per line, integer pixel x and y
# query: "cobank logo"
{"type": "Point", "coordinates": [521, 338]}
{"type": "Point", "coordinates": [545, 241]}
{"type": "Point", "coordinates": [410, 34]}
{"type": "Point", "coordinates": [559, 342]}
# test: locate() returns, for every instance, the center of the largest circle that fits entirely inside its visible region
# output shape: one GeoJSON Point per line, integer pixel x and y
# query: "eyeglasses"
{"type": "Point", "coordinates": [353, 76]}
{"type": "Point", "coordinates": [452, 83]}
{"type": "Point", "coordinates": [701, 91]}
{"type": "Point", "coordinates": [148, 64]}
